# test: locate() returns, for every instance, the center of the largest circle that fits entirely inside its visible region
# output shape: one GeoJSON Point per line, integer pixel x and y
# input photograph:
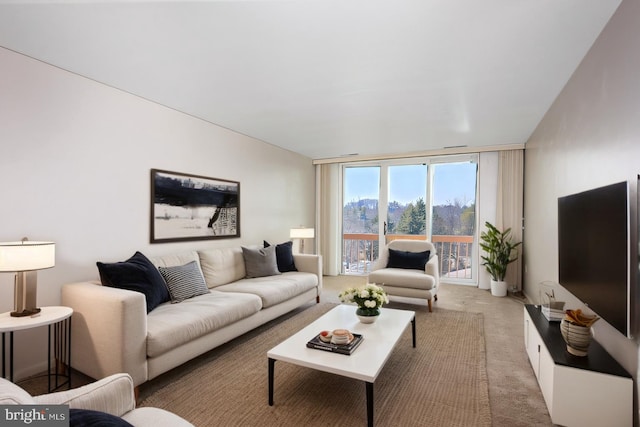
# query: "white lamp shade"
{"type": "Point", "coordinates": [302, 233]}
{"type": "Point", "coordinates": [26, 256]}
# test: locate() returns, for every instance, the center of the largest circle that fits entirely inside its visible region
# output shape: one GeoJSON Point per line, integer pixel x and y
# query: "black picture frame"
{"type": "Point", "coordinates": [187, 207]}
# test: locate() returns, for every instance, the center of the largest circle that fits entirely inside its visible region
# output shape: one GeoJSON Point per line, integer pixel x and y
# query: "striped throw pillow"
{"type": "Point", "coordinates": [184, 281]}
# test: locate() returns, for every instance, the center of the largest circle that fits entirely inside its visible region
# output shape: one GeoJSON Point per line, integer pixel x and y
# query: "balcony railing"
{"type": "Point", "coordinates": [360, 250]}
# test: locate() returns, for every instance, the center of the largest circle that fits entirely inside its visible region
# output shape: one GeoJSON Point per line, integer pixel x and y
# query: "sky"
{"type": "Point", "coordinates": [452, 181]}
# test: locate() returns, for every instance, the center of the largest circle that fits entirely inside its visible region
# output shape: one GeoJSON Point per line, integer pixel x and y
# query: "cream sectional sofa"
{"type": "Point", "coordinates": [112, 331]}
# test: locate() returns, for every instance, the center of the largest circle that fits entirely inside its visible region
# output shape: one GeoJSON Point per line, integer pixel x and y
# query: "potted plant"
{"type": "Point", "coordinates": [499, 250]}
{"type": "Point", "coordinates": [369, 300]}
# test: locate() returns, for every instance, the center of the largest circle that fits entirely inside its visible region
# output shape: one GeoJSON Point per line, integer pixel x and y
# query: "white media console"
{"type": "Point", "coordinates": [579, 391]}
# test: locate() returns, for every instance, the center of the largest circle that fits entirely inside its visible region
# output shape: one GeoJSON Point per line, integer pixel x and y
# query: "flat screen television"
{"type": "Point", "coordinates": [593, 251]}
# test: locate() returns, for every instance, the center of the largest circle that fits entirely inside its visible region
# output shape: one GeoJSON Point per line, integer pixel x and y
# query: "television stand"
{"type": "Point", "coordinates": [579, 391]}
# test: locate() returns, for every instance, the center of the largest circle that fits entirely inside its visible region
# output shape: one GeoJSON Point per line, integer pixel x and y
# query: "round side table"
{"type": "Point", "coordinates": [58, 320]}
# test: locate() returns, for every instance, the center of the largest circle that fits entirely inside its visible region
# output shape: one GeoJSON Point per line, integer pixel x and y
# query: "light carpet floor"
{"type": "Point", "coordinates": [442, 382]}
{"type": "Point", "coordinates": [514, 395]}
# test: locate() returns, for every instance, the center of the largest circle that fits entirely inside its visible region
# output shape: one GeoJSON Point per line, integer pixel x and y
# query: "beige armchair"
{"type": "Point", "coordinates": [113, 395]}
{"type": "Point", "coordinates": [400, 273]}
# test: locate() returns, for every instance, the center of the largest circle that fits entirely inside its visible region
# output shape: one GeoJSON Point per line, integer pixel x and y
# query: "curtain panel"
{"type": "Point", "coordinates": [509, 209]}
{"type": "Point", "coordinates": [328, 199]}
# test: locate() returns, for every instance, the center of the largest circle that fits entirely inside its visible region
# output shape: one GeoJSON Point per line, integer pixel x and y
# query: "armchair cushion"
{"type": "Point", "coordinates": [406, 259]}
{"type": "Point", "coordinates": [403, 277]}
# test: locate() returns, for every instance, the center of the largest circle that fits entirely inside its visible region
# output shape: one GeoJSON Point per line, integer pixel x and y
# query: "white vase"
{"type": "Point", "coordinates": [498, 288]}
{"type": "Point", "coordinates": [577, 337]}
{"type": "Point", "coordinates": [369, 315]}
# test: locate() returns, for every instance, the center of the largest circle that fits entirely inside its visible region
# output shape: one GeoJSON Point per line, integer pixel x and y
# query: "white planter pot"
{"type": "Point", "coordinates": [498, 288]}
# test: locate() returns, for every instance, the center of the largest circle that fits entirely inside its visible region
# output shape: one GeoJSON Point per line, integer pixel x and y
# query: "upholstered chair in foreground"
{"type": "Point", "coordinates": [408, 268]}
{"type": "Point", "coordinates": [110, 396]}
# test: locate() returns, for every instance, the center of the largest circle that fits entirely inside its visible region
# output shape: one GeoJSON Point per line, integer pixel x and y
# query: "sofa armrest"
{"type": "Point", "coordinates": [113, 395]}
{"type": "Point", "coordinates": [431, 268]}
{"type": "Point", "coordinates": [310, 263]}
{"type": "Point", "coordinates": [108, 330]}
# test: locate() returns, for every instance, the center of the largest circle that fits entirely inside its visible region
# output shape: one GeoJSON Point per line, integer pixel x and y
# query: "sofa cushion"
{"type": "Point", "coordinates": [260, 262]}
{"type": "Point", "coordinates": [284, 256]}
{"type": "Point", "coordinates": [405, 259]}
{"type": "Point", "coordinates": [172, 260]}
{"type": "Point", "coordinates": [90, 418]}
{"type": "Point", "coordinates": [222, 266]}
{"type": "Point", "coordinates": [274, 289]}
{"type": "Point", "coordinates": [184, 281]}
{"type": "Point", "coordinates": [171, 325]}
{"type": "Point", "coordinates": [136, 274]}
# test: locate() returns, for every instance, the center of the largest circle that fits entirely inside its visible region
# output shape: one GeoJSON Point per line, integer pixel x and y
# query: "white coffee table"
{"type": "Point", "coordinates": [367, 360]}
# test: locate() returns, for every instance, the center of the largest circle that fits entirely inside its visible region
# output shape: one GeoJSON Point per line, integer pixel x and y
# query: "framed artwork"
{"type": "Point", "coordinates": [191, 207]}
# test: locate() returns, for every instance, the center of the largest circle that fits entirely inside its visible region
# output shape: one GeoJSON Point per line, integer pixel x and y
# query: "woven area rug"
{"type": "Point", "coordinates": [442, 382]}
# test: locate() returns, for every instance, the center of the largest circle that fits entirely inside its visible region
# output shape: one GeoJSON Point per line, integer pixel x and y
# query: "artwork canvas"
{"type": "Point", "coordinates": [191, 207]}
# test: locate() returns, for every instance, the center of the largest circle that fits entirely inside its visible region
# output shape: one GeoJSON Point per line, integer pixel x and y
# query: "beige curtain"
{"type": "Point", "coordinates": [328, 200]}
{"type": "Point", "coordinates": [510, 206]}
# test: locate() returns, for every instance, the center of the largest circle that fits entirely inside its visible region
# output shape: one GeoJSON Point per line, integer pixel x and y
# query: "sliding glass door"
{"type": "Point", "coordinates": [428, 198]}
{"type": "Point", "coordinates": [406, 207]}
{"type": "Point", "coordinates": [453, 219]}
{"type": "Point", "coordinates": [360, 218]}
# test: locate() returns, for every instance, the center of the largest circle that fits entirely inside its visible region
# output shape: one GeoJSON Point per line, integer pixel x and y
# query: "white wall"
{"type": "Point", "coordinates": [590, 137]}
{"type": "Point", "coordinates": [75, 166]}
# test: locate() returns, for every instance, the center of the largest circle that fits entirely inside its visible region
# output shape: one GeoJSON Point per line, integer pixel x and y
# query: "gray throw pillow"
{"type": "Point", "coordinates": [184, 281]}
{"type": "Point", "coordinates": [260, 262]}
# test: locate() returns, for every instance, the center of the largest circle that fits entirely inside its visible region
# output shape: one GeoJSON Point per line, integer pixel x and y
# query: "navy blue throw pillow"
{"type": "Point", "coordinates": [89, 418]}
{"type": "Point", "coordinates": [410, 260]}
{"type": "Point", "coordinates": [284, 256]}
{"type": "Point", "coordinates": [136, 274]}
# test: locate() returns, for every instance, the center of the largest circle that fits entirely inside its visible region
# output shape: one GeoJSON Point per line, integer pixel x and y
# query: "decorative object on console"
{"type": "Point", "coordinates": [191, 207]}
{"type": "Point", "coordinates": [25, 258]}
{"type": "Point", "coordinates": [576, 331]}
{"type": "Point", "coordinates": [369, 299]}
{"type": "Point", "coordinates": [499, 254]}
{"type": "Point", "coordinates": [302, 233]}
{"type": "Point", "coordinates": [551, 309]}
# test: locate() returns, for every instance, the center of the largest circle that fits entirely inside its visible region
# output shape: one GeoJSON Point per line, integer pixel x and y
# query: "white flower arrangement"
{"type": "Point", "coordinates": [368, 297]}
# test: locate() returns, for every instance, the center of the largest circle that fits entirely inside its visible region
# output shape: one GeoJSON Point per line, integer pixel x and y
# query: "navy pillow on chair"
{"type": "Point", "coordinates": [89, 418]}
{"type": "Point", "coordinates": [136, 274]}
{"type": "Point", "coordinates": [284, 256]}
{"type": "Point", "coordinates": [410, 260]}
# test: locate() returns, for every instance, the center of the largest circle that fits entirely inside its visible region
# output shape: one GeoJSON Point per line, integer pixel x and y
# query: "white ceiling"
{"type": "Point", "coordinates": [326, 78]}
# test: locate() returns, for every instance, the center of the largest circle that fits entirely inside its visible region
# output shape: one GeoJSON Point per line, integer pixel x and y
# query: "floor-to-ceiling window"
{"type": "Point", "coordinates": [426, 198]}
